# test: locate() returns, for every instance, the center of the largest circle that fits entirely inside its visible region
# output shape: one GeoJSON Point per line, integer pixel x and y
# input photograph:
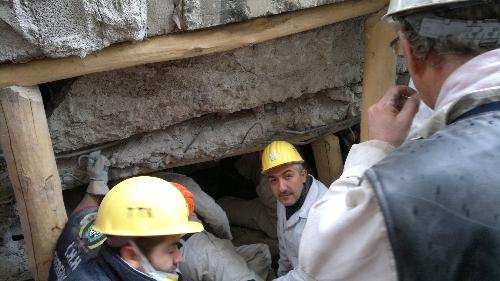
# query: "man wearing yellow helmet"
{"type": "Point", "coordinates": [427, 208]}
{"type": "Point", "coordinates": [143, 219]}
{"type": "Point", "coordinates": [296, 191]}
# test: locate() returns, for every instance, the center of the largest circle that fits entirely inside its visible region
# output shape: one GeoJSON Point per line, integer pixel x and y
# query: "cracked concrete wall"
{"type": "Point", "coordinates": [13, 261]}
{"type": "Point", "coordinates": [213, 137]}
{"type": "Point", "coordinates": [181, 112]}
{"type": "Point", "coordinates": [201, 13]}
{"type": "Point", "coordinates": [109, 106]}
{"type": "Point", "coordinates": [53, 28]}
{"type": "Point", "coordinates": [170, 114]}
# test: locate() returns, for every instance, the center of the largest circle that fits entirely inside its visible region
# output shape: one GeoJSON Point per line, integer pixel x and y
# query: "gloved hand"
{"type": "Point", "coordinates": [97, 171]}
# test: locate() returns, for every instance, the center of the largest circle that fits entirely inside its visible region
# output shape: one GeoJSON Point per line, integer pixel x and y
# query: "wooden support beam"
{"type": "Point", "coordinates": [26, 143]}
{"type": "Point", "coordinates": [328, 159]}
{"type": "Point", "coordinates": [185, 45]}
{"type": "Point", "coordinates": [379, 70]}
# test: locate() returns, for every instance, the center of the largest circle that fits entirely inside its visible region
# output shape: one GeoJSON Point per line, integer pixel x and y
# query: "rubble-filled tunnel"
{"type": "Point", "coordinates": [204, 117]}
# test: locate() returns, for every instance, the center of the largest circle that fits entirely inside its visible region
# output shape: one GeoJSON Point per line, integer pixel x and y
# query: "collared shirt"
{"type": "Point", "coordinates": [290, 231]}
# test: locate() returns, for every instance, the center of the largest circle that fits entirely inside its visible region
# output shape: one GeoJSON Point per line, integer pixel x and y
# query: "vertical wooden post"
{"type": "Point", "coordinates": [31, 164]}
{"type": "Point", "coordinates": [328, 159]}
{"type": "Point", "coordinates": [379, 70]}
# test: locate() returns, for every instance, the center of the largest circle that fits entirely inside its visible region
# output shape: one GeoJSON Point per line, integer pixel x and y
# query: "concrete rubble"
{"type": "Point", "coordinates": [53, 28]}
{"type": "Point", "coordinates": [152, 117]}
{"type": "Point", "coordinates": [13, 262]}
{"type": "Point", "coordinates": [115, 105]}
{"type": "Point", "coordinates": [201, 13]}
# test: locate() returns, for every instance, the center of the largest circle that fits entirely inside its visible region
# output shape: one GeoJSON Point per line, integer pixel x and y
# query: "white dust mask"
{"type": "Point", "coordinates": [150, 270]}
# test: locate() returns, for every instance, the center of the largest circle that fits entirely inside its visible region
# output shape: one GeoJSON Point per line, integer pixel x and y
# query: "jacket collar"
{"type": "Point", "coordinates": [303, 212]}
{"type": "Point", "coordinates": [475, 83]}
{"type": "Point", "coordinates": [116, 268]}
{"type": "Point", "coordinates": [479, 73]}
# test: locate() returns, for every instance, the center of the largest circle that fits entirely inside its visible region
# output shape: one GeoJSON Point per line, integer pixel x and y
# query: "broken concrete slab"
{"type": "Point", "coordinates": [78, 27]}
{"type": "Point", "coordinates": [14, 47]}
{"type": "Point", "coordinates": [13, 261]}
{"type": "Point", "coordinates": [202, 14]}
{"type": "Point", "coordinates": [214, 136]}
{"type": "Point", "coordinates": [116, 105]}
{"type": "Point", "coordinates": [55, 29]}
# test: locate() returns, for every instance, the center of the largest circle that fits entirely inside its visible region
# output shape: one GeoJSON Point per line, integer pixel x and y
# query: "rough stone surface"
{"type": "Point", "coordinates": [163, 115]}
{"type": "Point", "coordinates": [115, 105]}
{"type": "Point", "coordinates": [53, 28]}
{"type": "Point", "coordinates": [201, 13]}
{"type": "Point", "coordinates": [75, 27]}
{"type": "Point", "coordinates": [14, 47]}
{"type": "Point", "coordinates": [13, 261]}
{"type": "Point", "coordinates": [214, 136]}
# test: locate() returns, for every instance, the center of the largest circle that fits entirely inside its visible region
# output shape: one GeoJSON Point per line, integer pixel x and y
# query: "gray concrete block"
{"type": "Point", "coordinates": [201, 13]}
{"type": "Point", "coordinates": [116, 105]}
{"type": "Point", "coordinates": [15, 48]}
{"type": "Point", "coordinates": [75, 27]}
{"type": "Point", "coordinates": [213, 137]}
{"type": "Point", "coordinates": [53, 28]}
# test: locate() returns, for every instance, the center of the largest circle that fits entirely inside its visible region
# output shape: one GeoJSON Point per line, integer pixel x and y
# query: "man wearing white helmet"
{"type": "Point", "coordinates": [428, 209]}
{"type": "Point", "coordinates": [141, 219]}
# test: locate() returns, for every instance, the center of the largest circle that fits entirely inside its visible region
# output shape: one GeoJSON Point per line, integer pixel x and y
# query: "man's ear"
{"type": "Point", "coordinates": [304, 173]}
{"type": "Point", "coordinates": [128, 254]}
{"type": "Point", "coordinates": [416, 66]}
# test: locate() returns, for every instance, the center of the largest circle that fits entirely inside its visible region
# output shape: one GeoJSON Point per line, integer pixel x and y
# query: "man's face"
{"type": "Point", "coordinates": [287, 183]}
{"type": "Point", "coordinates": [166, 256]}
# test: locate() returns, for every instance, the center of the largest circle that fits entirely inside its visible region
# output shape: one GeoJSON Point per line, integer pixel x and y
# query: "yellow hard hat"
{"type": "Point", "coordinates": [144, 206]}
{"type": "Point", "coordinates": [278, 153]}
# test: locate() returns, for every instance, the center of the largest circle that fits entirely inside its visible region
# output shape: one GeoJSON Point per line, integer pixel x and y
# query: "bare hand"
{"type": "Point", "coordinates": [390, 118]}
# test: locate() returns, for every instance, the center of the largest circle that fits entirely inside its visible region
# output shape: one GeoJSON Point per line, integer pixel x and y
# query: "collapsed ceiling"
{"type": "Point", "coordinates": [162, 115]}
{"type": "Point", "coordinates": [169, 114]}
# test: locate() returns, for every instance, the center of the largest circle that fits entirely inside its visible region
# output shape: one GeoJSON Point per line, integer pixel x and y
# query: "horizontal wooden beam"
{"type": "Point", "coordinates": [185, 45]}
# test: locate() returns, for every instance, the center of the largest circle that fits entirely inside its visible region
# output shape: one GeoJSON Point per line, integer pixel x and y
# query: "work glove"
{"type": "Point", "coordinates": [97, 171]}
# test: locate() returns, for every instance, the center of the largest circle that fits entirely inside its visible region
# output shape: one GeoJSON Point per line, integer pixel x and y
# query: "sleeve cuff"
{"type": "Point", "coordinates": [364, 155]}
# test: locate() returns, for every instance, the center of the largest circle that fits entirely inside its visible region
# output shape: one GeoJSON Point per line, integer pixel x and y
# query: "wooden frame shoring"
{"type": "Point", "coordinates": [379, 69]}
{"type": "Point", "coordinates": [185, 45]}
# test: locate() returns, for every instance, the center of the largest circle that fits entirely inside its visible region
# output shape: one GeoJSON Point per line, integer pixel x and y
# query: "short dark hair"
{"type": "Point", "coordinates": [146, 244]}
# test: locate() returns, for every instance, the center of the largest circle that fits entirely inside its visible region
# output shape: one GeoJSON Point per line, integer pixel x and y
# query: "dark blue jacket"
{"type": "Point", "coordinates": [79, 255]}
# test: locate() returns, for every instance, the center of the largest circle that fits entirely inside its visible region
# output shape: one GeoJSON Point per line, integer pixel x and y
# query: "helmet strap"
{"type": "Point", "coordinates": [148, 267]}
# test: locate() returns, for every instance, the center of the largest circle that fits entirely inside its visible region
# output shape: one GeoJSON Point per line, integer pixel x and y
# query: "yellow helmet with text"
{"type": "Point", "coordinates": [144, 206]}
{"type": "Point", "coordinates": [278, 153]}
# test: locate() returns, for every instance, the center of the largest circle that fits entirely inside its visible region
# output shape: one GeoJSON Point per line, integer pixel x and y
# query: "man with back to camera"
{"type": "Point", "coordinates": [428, 209]}
{"type": "Point", "coordinates": [296, 191]}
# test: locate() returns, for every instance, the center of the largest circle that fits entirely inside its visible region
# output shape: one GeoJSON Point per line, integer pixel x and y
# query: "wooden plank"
{"type": "Point", "coordinates": [185, 45]}
{"type": "Point", "coordinates": [379, 70]}
{"type": "Point", "coordinates": [328, 159]}
{"type": "Point", "coordinates": [27, 147]}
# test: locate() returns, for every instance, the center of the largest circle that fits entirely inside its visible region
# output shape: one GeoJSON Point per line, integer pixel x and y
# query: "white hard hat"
{"type": "Point", "coordinates": [401, 6]}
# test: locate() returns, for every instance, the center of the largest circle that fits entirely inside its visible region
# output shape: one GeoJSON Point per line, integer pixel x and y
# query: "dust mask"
{"type": "Point", "coordinates": [150, 270]}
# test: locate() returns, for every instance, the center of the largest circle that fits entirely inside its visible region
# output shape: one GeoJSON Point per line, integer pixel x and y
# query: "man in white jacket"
{"type": "Point", "coordinates": [296, 191]}
{"type": "Point", "coordinates": [428, 209]}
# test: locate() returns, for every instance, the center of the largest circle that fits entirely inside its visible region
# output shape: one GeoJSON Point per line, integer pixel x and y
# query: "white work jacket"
{"type": "Point", "coordinates": [346, 236]}
{"type": "Point", "coordinates": [290, 231]}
